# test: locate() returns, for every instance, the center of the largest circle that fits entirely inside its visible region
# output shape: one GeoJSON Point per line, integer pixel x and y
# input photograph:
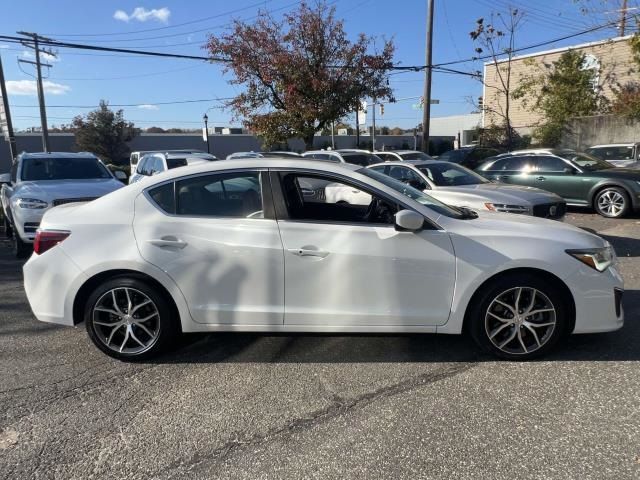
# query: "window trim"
{"type": "Point", "coordinates": [282, 212]}
{"type": "Point", "coordinates": [266, 194]}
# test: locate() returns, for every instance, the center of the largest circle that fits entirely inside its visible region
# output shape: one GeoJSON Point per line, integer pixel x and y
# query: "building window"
{"type": "Point", "coordinates": [592, 64]}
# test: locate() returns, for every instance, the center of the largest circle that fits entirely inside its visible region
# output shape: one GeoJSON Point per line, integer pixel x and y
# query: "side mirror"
{"type": "Point", "coordinates": [5, 178]}
{"type": "Point", "coordinates": [120, 175]}
{"type": "Point", "coordinates": [409, 221]}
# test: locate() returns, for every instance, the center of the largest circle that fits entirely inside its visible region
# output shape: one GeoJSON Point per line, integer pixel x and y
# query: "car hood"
{"type": "Point", "coordinates": [507, 225]}
{"type": "Point", "coordinates": [54, 189]}
{"type": "Point", "coordinates": [500, 193]}
{"type": "Point", "coordinates": [623, 173]}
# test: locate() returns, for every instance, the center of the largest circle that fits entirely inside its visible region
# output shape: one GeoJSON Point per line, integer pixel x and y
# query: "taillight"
{"type": "Point", "coordinates": [46, 239]}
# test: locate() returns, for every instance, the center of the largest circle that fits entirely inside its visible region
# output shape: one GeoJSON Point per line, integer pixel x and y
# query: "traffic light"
{"type": "Point", "coordinates": [381, 109]}
{"type": "Point", "coordinates": [480, 103]}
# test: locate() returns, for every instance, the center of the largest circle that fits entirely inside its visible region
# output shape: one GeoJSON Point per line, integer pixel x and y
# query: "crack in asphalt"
{"type": "Point", "coordinates": [339, 406]}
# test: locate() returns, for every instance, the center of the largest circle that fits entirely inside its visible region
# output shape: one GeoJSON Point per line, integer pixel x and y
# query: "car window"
{"type": "Point", "coordinates": [549, 164]}
{"type": "Point", "coordinates": [382, 169]}
{"type": "Point", "coordinates": [510, 164]}
{"type": "Point", "coordinates": [327, 200]}
{"type": "Point", "coordinates": [451, 175]}
{"type": "Point", "coordinates": [586, 161]}
{"type": "Point", "coordinates": [362, 159]}
{"type": "Point", "coordinates": [612, 153]}
{"type": "Point", "coordinates": [408, 176]}
{"type": "Point", "coordinates": [176, 162]}
{"type": "Point", "coordinates": [164, 197]}
{"type": "Point", "coordinates": [415, 156]}
{"type": "Point", "coordinates": [134, 158]}
{"type": "Point", "coordinates": [386, 157]}
{"type": "Point", "coordinates": [141, 170]}
{"type": "Point", "coordinates": [455, 156]}
{"type": "Point", "coordinates": [235, 195]}
{"type": "Point", "coordinates": [56, 168]}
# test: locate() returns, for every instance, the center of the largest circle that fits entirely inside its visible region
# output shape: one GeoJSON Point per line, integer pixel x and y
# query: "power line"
{"type": "Point", "coordinates": [176, 102]}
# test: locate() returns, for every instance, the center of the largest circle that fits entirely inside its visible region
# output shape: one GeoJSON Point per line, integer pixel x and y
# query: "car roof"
{"type": "Point", "coordinates": [630, 144]}
{"type": "Point", "coordinates": [321, 151]}
{"type": "Point", "coordinates": [57, 155]}
{"type": "Point", "coordinates": [203, 156]}
{"type": "Point", "coordinates": [543, 151]}
{"type": "Point", "coordinates": [415, 163]}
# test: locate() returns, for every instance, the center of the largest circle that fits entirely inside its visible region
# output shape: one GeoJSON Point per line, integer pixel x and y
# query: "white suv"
{"type": "Point", "coordinates": [40, 181]}
{"type": "Point", "coordinates": [155, 163]}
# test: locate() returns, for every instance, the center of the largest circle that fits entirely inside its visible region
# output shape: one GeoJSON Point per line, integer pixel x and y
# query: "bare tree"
{"type": "Point", "coordinates": [496, 39]}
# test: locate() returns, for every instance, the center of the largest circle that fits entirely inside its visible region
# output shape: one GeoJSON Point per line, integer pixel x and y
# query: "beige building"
{"type": "Point", "coordinates": [608, 58]}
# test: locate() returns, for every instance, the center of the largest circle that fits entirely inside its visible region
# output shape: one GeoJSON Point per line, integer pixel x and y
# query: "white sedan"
{"type": "Point", "coordinates": [245, 246]}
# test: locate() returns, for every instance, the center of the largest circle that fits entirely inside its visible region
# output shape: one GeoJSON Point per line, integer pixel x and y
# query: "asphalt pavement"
{"type": "Point", "coordinates": [325, 407]}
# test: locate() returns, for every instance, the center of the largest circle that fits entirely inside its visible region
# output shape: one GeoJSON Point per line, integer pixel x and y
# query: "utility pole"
{"type": "Point", "coordinates": [43, 112]}
{"type": "Point", "coordinates": [358, 125]}
{"type": "Point", "coordinates": [623, 17]}
{"type": "Point", "coordinates": [5, 116]}
{"type": "Point", "coordinates": [426, 112]}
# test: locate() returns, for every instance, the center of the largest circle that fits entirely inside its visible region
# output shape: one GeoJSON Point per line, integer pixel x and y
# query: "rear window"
{"type": "Point", "coordinates": [56, 168]}
{"type": "Point", "coordinates": [176, 162]}
{"type": "Point", "coordinates": [612, 153]}
{"type": "Point", "coordinates": [415, 156]}
{"type": "Point", "coordinates": [361, 159]}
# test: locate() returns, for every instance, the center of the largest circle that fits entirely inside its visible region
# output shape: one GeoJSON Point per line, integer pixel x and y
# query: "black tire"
{"type": "Point", "coordinates": [8, 231]}
{"type": "Point", "coordinates": [20, 249]}
{"type": "Point", "coordinates": [481, 324]}
{"type": "Point", "coordinates": [604, 204]}
{"type": "Point", "coordinates": [167, 326]}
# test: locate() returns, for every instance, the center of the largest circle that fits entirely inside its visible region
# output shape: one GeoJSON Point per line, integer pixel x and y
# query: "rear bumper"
{"type": "Point", "coordinates": [50, 282]}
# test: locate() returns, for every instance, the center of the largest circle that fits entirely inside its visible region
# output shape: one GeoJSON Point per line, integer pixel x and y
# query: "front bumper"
{"type": "Point", "coordinates": [598, 300]}
{"type": "Point", "coordinates": [26, 222]}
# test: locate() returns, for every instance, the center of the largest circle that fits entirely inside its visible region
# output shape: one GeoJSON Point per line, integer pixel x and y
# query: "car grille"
{"type": "Point", "coordinates": [31, 227]}
{"type": "Point", "coordinates": [550, 210]}
{"type": "Point", "coordinates": [62, 201]}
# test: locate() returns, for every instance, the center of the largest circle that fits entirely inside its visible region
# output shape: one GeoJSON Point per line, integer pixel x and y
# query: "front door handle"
{"type": "Point", "coordinates": [542, 179]}
{"type": "Point", "coordinates": [172, 242]}
{"type": "Point", "coordinates": [304, 252]}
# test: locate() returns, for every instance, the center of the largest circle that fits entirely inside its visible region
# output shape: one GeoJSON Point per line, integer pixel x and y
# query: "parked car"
{"type": "Point", "coordinates": [618, 154]}
{"type": "Point", "coordinates": [135, 157]}
{"type": "Point", "coordinates": [459, 186]}
{"type": "Point", "coordinates": [579, 178]}
{"type": "Point", "coordinates": [40, 181]}
{"type": "Point", "coordinates": [400, 155]}
{"type": "Point", "coordinates": [276, 154]}
{"type": "Point", "coordinates": [155, 163]}
{"type": "Point", "coordinates": [353, 156]}
{"type": "Point", "coordinates": [267, 258]}
{"type": "Point", "coordinates": [470, 156]}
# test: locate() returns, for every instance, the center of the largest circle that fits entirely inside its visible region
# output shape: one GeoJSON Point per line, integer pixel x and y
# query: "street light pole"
{"type": "Point", "coordinates": [206, 130]}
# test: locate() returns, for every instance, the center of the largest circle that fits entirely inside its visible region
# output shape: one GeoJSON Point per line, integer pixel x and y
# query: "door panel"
{"type": "Point", "coordinates": [550, 176]}
{"type": "Point", "coordinates": [230, 270]}
{"type": "Point", "coordinates": [357, 270]}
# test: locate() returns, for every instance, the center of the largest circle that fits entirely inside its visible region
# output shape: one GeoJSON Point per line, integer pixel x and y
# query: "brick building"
{"type": "Point", "coordinates": [608, 58]}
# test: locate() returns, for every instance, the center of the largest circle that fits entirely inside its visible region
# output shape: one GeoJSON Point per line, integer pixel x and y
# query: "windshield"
{"type": "Point", "coordinates": [587, 162]}
{"type": "Point", "coordinates": [451, 175]}
{"type": "Point", "coordinates": [415, 156]}
{"type": "Point", "coordinates": [414, 194]}
{"type": "Point", "coordinates": [57, 168]}
{"type": "Point", "coordinates": [612, 153]}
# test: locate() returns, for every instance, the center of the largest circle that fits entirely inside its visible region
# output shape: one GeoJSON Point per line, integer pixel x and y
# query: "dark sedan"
{"type": "Point", "coordinates": [582, 180]}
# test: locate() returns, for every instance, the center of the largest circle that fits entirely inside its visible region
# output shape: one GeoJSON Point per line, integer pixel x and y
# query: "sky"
{"type": "Point", "coordinates": [80, 78]}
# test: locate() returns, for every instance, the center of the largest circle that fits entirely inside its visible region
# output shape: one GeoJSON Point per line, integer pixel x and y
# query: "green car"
{"type": "Point", "coordinates": [582, 180]}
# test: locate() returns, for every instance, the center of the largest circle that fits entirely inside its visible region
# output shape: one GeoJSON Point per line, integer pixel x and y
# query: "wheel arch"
{"type": "Point", "coordinates": [548, 276]}
{"type": "Point", "coordinates": [90, 284]}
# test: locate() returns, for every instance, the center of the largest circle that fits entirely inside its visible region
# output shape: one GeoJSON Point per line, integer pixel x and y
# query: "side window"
{"type": "Point", "coordinates": [386, 157]}
{"type": "Point", "coordinates": [164, 197]}
{"type": "Point", "coordinates": [549, 164]}
{"type": "Point", "coordinates": [381, 169]}
{"type": "Point", "coordinates": [510, 164]}
{"type": "Point", "coordinates": [327, 200]}
{"type": "Point", "coordinates": [234, 195]}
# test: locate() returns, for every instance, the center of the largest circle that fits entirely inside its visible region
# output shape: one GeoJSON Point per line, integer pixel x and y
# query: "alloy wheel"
{"type": "Point", "coordinates": [126, 321]}
{"type": "Point", "coordinates": [611, 203]}
{"type": "Point", "coordinates": [520, 320]}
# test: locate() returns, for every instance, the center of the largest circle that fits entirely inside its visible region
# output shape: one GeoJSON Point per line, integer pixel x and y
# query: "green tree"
{"type": "Point", "coordinates": [626, 102]}
{"type": "Point", "coordinates": [105, 133]}
{"type": "Point", "coordinates": [301, 73]}
{"type": "Point", "coordinates": [560, 91]}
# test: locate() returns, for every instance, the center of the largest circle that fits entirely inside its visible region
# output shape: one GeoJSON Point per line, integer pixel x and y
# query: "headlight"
{"type": "Point", "coordinates": [32, 203]}
{"type": "Point", "coordinates": [502, 207]}
{"type": "Point", "coordinates": [597, 258]}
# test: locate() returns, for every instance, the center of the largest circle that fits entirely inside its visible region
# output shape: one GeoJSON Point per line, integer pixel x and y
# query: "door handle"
{"type": "Point", "coordinates": [542, 179]}
{"type": "Point", "coordinates": [303, 252]}
{"type": "Point", "coordinates": [172, 242]}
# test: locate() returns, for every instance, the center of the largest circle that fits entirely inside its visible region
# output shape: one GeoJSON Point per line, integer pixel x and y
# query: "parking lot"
{"type": "Point", "coordinates": [258, 406]}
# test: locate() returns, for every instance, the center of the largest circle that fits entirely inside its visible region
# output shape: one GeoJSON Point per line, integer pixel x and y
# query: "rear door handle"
{"type": "Point", "coordinates": [303, 252]}
{"type": "Point", "coordinates": [542, 179]}
{"type": "Point", "coordinates": [171, 242]}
